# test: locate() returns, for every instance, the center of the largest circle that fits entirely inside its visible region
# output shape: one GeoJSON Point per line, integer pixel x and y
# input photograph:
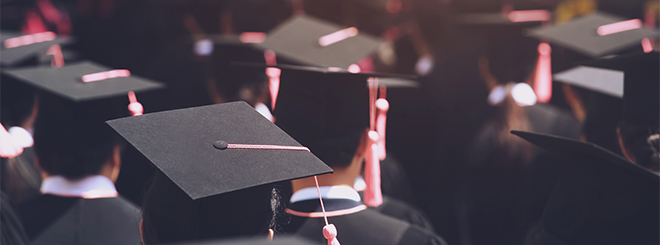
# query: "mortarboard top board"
{"type": "Point", "coordinates": [389, 80]}
{"type": "Point", "coordinates": [515, 18]}
{"type": "Point", "coordinates": [599, 198]}
{"type": "Point", "coordinates": [582, 35]}
{"type": "Point", "coordinates": [16, 47]}
{"type": "Point", "coordinates": [290, 240]}
{"type": "Point", "coordinates": [605, 81]}
{"type": "Point", "coordinates": [67, 81]}
{"type": "Point", "coordinates": [641, 84]}
{"type": "Point", "coordinates": [190, 146]}
{"type": "Point", "coordinates": [298, 39]}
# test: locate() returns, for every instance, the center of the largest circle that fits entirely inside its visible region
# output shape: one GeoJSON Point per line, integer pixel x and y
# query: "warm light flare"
{"type": "Point", "coordinates": [617, 27]}
{"type": "Point", "coordinates": [105, 75]}
{"type": "Point", "coordinates": [337, 36]}
{"type": "Point", "coordinates": [30, 39]}
{"type": "Point", "coordinates": [529, 15]}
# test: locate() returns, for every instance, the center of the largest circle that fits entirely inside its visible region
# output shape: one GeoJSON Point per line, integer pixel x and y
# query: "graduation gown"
{"type": "Point", "coordinates": [11, 229]}
{"type": "Point", "coordinates": [398, 209]}
{"type": "Point", "coordinates": [356, 224]}
{"type": "Point", "coordinates": [52, 219]}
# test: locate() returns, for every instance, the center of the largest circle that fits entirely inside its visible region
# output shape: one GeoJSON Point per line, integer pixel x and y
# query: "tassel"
{"type": "Point", "coordinates": [58, 59]}
{"type": "Point", "coordinates": [383, 106]}
{"type": "Point", "coordinates": [329, 230]}
{"type": "Point", "coordinates": [372, 194]}
{"type": "Point", "coordinates": [543, 76]}
{"type": "Point", "coordinates": [134, 107]}
{"type": "Point", "coordinates": [273, 77]}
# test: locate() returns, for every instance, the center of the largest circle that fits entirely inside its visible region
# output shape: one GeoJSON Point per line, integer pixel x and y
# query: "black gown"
{"type": "Point", "coordinates": [367, 226]}
{"type": "Point", "coordinates": [398, 209]}
{"type": "Point", "coordinates": [11, 229]}
{"type": "Point", "coordinates": [51, 219]}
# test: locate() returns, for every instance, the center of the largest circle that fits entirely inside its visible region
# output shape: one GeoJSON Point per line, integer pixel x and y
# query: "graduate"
{"type": "Point", "coordinates": [218, 170]}
{"type": "Point", "coordinates": [78, 156]}
{"type": "Point", "coordinates": [328, 111]}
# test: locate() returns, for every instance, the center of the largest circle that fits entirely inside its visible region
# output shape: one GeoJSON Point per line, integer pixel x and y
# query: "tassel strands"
{"type": "Point", "coordinates": [372, 194]}
{"type": "Point", "coordinates": [543, 76]}
{"type": "Point", "coordinates": [329, 230]}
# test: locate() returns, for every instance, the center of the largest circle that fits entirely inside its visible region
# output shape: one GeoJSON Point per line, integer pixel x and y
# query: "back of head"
{"type": "Point", "coordinates": [325, 112]}
{"type": "Point", "coordinates": [17, 101]}
{"type": "Point", "coordinates": [71, 138]}
{"type": "Point", "coordinates": [170, 215]}
{"type": "Point", "coordinates": [511, 56]}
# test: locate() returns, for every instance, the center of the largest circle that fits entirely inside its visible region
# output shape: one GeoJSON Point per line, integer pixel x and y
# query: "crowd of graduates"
{"type": "Point", "coordinates": [329, 121]}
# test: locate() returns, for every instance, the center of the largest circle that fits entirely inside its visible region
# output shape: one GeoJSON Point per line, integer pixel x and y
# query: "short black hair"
{"type": "Point", "coordinates": [71, 139]}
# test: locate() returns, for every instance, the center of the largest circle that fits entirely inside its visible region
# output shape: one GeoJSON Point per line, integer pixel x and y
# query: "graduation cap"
{"type": "Point", "coordinates": [518, 17]}
{"type": "Point", "coordinates": [311, 41]}
{"type": "Point", "coordinates": [17, 48]}
{"type": "Point", "coordinates": [82, 81]}
{"type": "Point", "coordinates": [641, 85]}
{"type": "Point", "coordinates": [327, 109]}
{"type": "Point", "coordinates": [596, 35]}
{"type": "Point", "coordinates": [606, 81]}
{"type": "Point", "coordinates": [211, 150]}
{"type": "Point", "coordinates": [600, 197]}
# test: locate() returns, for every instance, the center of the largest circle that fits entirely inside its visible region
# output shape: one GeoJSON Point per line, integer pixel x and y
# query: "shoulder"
{"type": "Point", "coordinates": [401, 210]}
{"type": "Point", "coordinates": [416, 235]}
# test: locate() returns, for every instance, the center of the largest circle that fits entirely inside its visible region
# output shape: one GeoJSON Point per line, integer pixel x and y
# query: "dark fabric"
{"type": "Point", "coordinates": [20, 177]}
{"type": "Point", "coordinates": [11, 229]}
{"type": "Point", "coordinates": [364, 227]}
{"type": "Point", "coordinates": [404, 211]}
{"type": "Point", "coordinates": [312, 205]}
{"type": "Point", "coordinates": [60, 220]}
{"type": "Point", "coordinates": [394, 180]}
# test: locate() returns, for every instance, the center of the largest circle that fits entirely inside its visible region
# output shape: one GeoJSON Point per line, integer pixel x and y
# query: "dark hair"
{"type": "Point", "coordinates": [71, 138]}
{"type": "Point", "coordinates": [643, 143]}
{"type": "Point", "coordinates": [495, 139]}
{"type": "Point", "coordinates": [17, 100]}
{"type": "Point", "coordinates": [170, 215]}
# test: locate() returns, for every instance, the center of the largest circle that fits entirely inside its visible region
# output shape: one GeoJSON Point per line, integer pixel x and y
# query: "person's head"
{"type": "Point", "coordinates": [72, 140]}
{"type": "Point", "coordinates": [19, 103]}
{"type": "Point", "coordinates": [169, 215]}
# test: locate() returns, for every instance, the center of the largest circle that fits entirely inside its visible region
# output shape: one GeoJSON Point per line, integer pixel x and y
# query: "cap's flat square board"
{"type": "Point", "coordinates": [181, 144]}
{"type": "Point", "coordinates": [605, 81]}
{"type": "Point", "coordinates": [581, 35]}
{"type": "Point", "coordinates": [298, 40]}
{"type": "Point", "coordinates": [12, 56]}
{"type": "Point", "coordinates": [66, 81]}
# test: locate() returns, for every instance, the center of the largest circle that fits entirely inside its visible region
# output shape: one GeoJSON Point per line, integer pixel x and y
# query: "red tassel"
{"type": "Point", "coordinates": [372, 194]}
{"type": "Point", "coordinates": [134, 107]}
{"type": "Point", "coordinates": [383, 106]}
{"type": "Point", "coordinates": [543, 76]}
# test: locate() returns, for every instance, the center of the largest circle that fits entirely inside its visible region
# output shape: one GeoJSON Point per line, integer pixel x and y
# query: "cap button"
{"type": "Point", "coordinates": [220, 145]}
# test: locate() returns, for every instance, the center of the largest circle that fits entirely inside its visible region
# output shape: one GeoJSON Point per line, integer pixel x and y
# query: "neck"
{"type": "Point", "coordinates": [341, 176]}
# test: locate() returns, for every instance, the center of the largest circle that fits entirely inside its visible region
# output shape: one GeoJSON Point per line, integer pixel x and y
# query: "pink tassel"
{"type": "Point", "coordinates": [58, 59]}
{"type": "Point", "coordinates": [134, 107]}
{"type": "Point", "coordinates": [383, 106]}
{"type": "Point", "coordinates": [543, 76]}
{"type": "Point", "coordinates": [273, 76]}
{"type": "Point", "coordinates": [372, 194]}
{"type": "Point", "coordinates": [329, 230]}
{"type": "Point", "coordinates": [330, 233]}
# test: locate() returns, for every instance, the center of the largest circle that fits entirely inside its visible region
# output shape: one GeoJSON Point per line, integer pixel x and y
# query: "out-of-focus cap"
{"type": "Point", "coordinates": [311, 41]}
{"type": "Point", "coordinates": [69, 81]}
{"type": "Point", "coordinates": [609, 82]}
{"type": "Point", "coordinates": [16, 47]}
{"type": "Point", "coordinates": [641, 102]}
{"type": "Point", "coordinates": [599, 198]}
{"type": "Point", "coordinates": [596, 34]}
{"type": "Point", "coordinates": [211, 150]}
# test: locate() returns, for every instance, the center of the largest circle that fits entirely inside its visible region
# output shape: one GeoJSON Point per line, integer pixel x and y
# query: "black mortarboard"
{"type": "Point", "coordinates": [641, 102]}
{"type": "Point", "coordinates": [600, 197]}
{"type": "Point", "coordinates": [255, 241]}
{"type": "Point", "coordinates": [193, 148]}
{"type": "Point", "coordinates": [67, 81]}
{"type": "Point", "coordinates": [299, 39]}
{"type": "Point", "coordinates": [327, 109]}
{"type": "Point", "coordinates": [582, 34]}
{"type": "Point", "coordinates": [606, 81]}
{"type": "Point", "coordinates": [17, 47]}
